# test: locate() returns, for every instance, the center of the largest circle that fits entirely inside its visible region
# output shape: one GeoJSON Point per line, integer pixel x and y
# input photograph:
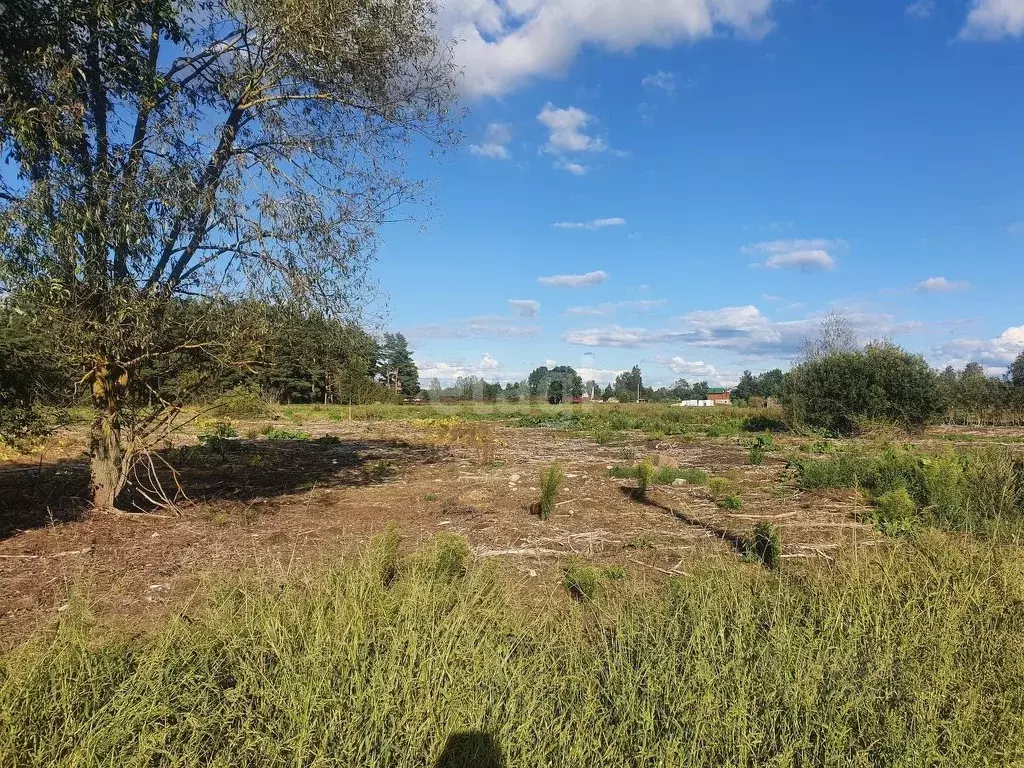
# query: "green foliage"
{"type": "Point", "coordinates": [446, 556]}
{"type": "Point", "coordinates": [732, 501]}
{"type": "Point", "coordinates": [395, 355]}
{"type": "Point", "coordinates": [644, 477]}
{"type": "Point", "coordinates": [760, 447]}
{"type": "Point", "coordinates": [894, 512]}
{"type": "Point", "coordinates": [640, 542]}
{"type": "Point", "coordinates": [903, 657]}
{"type": "Point", "coordinates": [980, 491]}
{"type": "Point", "coordinates": [721, 486]}
{"type": "Point", "coordinates": [218, 437]}
{"type": "Point", "coordinates": [836, 391]}
{"type": "Point", "coordinates": [662, 475]}
{"type": "Point", "coordinates": [766, 544]}
{"type": "Point", "coordinates": [243, 402]}
{"type": "Point", "coordinates": [550, 481]}
{"type": "Point", "coordinates": [582, 582]}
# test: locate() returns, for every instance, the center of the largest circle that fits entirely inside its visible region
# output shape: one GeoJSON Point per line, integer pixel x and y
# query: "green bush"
{"type": "Point", "coordinates": [766, 544]}
{"type": "Point", "coordinates": [720, 486]}
{"type": "Point", "coordinates": [582, 582]}
{"type": "Point", "coordinates": [894, 512]}
{"type": "Point", "coordinates": [882, 383]}
{"type": "Point", "coordinates": [662, 475]}
{"type": "Point", "coordinates": [644, 477]}
{"type": "Point", "coordinates": [550, 481]}
{"type": "Point", "coordinates": [732, 501]}
{"type": "Point", "coordinates": [243, 403]}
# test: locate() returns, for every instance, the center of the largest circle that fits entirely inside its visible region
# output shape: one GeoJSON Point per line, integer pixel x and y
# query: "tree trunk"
{"type": "Point", "coordinates": [106, 453]}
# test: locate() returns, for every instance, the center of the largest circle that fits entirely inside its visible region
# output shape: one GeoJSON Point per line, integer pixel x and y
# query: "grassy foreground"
{"type": "Point", "coordinates": [911, 657]}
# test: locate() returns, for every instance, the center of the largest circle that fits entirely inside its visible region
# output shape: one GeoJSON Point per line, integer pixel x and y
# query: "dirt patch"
{"type": "Point", "coordinates": [294, 502]}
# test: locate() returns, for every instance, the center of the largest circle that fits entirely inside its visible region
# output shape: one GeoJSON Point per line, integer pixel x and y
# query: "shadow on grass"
{"type": "Point", "coordinates": [35, 497]}
{"type": "Point", "coordinates": [738, 542]}
{"type": "Point", "coordinates": [472, 749]}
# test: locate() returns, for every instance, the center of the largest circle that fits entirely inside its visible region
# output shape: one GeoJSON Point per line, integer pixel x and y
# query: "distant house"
{"type": "Point", "coordinates": [720, 395]}
{"type": "Point", "coordinates": [696, 404]}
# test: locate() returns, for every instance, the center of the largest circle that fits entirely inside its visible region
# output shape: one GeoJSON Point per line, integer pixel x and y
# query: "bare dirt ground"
{"type": "Point", "coordinates": [292, 503]}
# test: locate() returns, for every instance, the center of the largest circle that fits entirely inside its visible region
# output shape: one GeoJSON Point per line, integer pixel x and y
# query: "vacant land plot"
{"type": "Point", "coordinates": [755, 567]}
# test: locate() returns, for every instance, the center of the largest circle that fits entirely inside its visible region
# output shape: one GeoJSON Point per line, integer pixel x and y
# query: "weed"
{"type": "Point", "coordinates": [603, 436]}
{"type": "Point", "coordinates": [894, 512]}
{"type": "Point", "coordinates": [732, 501]}
{"type": "Point", "coordinates": [431, 497]}
{"type": "Point", "coordinates": [662, 475]}
{"type": "Point", "coordinates": [582, 582]}
{"type": "Point", "coordinates": [644, 477]}
{"type": "Point", "coordinates": [766, 544]}
{"type": "Point", "coordinates": [614, 572]}
{"type": "Point", "coordinates": [329, 440]}
{"type": "Point", "coordinates": [446, 557]}
{"type": "Point", "coordinates": [550, 481]}
{"type": "Point", "coordinates": [819, 447]}
{"type": "Point", "coordinates": [219, 437]}
{"type": "Point", "coordinates": [719, 487]}
{"type": "Point", "coordinates": [757, 455]}
{"type": "Point", "coordinates": [379, 470]}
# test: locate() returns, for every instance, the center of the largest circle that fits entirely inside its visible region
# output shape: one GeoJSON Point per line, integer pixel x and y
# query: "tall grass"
{"type": "Point", "coordinates": [979, 491]}
{"type": "Point", "coordinates": [908, 657]}
{"type": "Point", "coordinates": [551, 479]}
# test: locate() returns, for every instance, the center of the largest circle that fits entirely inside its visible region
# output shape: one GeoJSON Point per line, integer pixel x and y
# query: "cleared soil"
{"type": "Point", "coordinates": [293, 503]}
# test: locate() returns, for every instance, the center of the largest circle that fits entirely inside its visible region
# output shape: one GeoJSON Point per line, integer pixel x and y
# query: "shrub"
{"type": "Point", "coordinates": [644, 477]}
{"type": "Point", "coordinates": [662, 475]}
{"type": "Point", "coordinates": [550, 481]}
{"type": "Point", "coordinates": [720, 486]}
{"type": "Point", "coordinates": [766, 544]}
{"type": "Point", "coordinates": [757, 454]}
{"type": "Point", "coordinates": [446, 557]}
{"type": "Point", "coordinates": [243, 403]}
{"type": "Point", "coordinates": [894, 512]}
{"type": "Point", "coordinates": [582, 582]}
{"type": "Point", "coordinates": [219, 437]}
{"type": "Point", "coordinates": [732, 501]}
{"type": "Point", "coordinates": [882, 382]}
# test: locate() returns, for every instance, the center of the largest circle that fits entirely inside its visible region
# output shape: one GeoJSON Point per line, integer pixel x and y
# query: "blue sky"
{"type": "Point", "coordinates": [691, 184]}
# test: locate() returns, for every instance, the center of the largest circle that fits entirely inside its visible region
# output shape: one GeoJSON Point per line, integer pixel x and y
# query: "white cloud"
{"type": "Point", "coordinates": [502, 44]}
{"type": "Point", "coordinates": [683, 367]}
{"type": "Point", "coordinates": [805, 255]}
{"type": "Point", "coordinates": [495, 142]}
{"type": "Point", "coordinates": [998, 352]}
{"type": "Point", "coordinates": [482, 326]}
{"type": "Point", "coordinates": [994, 19]}
{"type": "Point", "coordinates": [576, 169]}
{"type": "Point", "coordinates": [770, 297]}
{"type": "Point", "coordinates": [575, 281]}
{"type": "Point", "coordinates": [921, 9]}
{"type": "Point", "coordinates": [600, 375]}
{"type": "Point", "coordinates": [941, 285]}
{"type": "Point", "coordinates": [665, 81]}
{"type": "Point", "coordinates": [609, 308]}
{"type": "Point", "coordinates": [525, 307]}
{"type": "Point", "coordinates": [566, 130]}
{"type": "Point", "coordinates": [591, 225]}
{"type": "Point", "coordinates": [742, 330]}
{"type": "Point", "coordinates": [447, 371]}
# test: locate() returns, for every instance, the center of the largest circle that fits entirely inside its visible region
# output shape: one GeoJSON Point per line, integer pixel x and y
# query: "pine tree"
{"type": "Point", "coordinates": [395, 354]}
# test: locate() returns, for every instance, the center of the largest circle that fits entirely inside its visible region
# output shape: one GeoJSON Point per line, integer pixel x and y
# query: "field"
{"type": "Point", "coordinates": [383, 585]}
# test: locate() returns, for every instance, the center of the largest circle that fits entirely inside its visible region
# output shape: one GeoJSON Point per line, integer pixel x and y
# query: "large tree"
{"type": "Point", "coordinates": [395, 356]}
{"type": "Point", "coordinates": [167, 149]}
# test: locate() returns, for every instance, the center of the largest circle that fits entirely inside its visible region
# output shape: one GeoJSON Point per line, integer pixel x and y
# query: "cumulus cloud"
{"type": "Point", "coordinates": [742, 330]}
{"type": "Point", "coordinates": [600, 375]}
{"type": "Point", "coordinates": [682, 367]}
{"type": "Point", "coordinates": [993, 20]}
{"type": "Point", "coordinates": [664, 81]}
{"type": "Point", "coordinates": [576, 169]}
{"type": "Point", "coordinates": [566, 130]}
{"type": "Point", "coordinates": [610, 308]}
{"type": "Point", "coordinates": [805, 255]}
{"type": "Point", "coordinates": [525, 307]}
{"type": "Point", "coordinates": [941, 285]}
{"type": "Point", "coordinates": [575, 281]}
{"type": "Point", "coordinates": [590, 225]}
{"type": "Point", "coordinates": [495, 142]}
{"type": "Point", "coordinates": [502, 44]}
{"type": "Point", "coordinates": [447, 371]}
{"type": "Point", "coordinates": [922, 9]}
{"type": "Point", "coordinates": [998, 352]}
